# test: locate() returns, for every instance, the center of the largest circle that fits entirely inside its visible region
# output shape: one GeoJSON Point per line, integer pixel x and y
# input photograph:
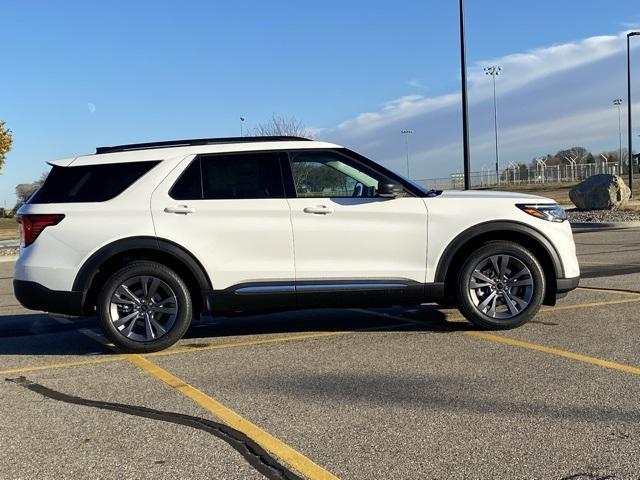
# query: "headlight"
{"type": "Point", "coordinates": [551, 211]}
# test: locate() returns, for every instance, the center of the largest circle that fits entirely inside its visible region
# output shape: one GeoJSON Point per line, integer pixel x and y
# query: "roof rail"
{"type": "Point", "coordinates": [197, 141]}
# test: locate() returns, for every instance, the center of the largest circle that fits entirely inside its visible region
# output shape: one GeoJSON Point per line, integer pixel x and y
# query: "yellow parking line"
{"type": "Point", "coordinates": [557, 352]}
{"type": "Point", "coordinates": [613, 291]}
{"type": "Point", "coordinates": [591, 305]}
{"type": "Point", "coordinates": [77, 363]}
{"type": "Point", "coordinates": [284, 452]}
{"type": "Point", "coordinates": [291, 338]}
{"type": "Point", "coordinates": [174, 351]}
{"type": "Point", "coordinates": [460, 318]}
{"type": "Point", "coordinates": [610, 264]}
{"type": "Point", "coordinates": [245, 343]}
{"type": "Point", "coordinates": [263, 341]}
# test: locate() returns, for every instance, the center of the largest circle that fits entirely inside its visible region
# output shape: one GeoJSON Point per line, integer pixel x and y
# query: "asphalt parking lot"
{"type": "Point", "coordinates": [352, 394]}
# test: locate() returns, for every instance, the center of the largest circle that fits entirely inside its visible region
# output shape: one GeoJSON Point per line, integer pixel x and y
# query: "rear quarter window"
{"type": "Point", "coordinates": [90, 183]}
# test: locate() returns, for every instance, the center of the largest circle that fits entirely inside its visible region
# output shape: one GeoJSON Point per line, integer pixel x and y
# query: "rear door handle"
{"type": "Point", "coordinates": [318, 210]}
{"type": "Point", "coordinates": [180, 209]}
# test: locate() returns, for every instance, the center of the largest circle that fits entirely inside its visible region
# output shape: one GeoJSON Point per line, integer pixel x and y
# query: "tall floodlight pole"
{"type": "Point", "coordinates": [618, 103]}
{"type": "Point", "coordinates": [242, 119]}
{"type": "Point", "coordinates": [465, 102]}
{"type": "Point", "coordinates": [629, 124]}
{"type": "Point", "coordinates": [406, 134]}
{"type": "Point", "coordinates": [494, 71]}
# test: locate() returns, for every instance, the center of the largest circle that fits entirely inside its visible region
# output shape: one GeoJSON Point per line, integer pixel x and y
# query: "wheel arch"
{"type": "Point", "coordinates": [109, 258]}
{"type": "Point", "coordinates": [531, 238]}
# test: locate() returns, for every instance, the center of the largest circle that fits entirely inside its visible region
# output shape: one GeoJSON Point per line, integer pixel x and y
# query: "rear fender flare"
{"type": "Point", "coordinates": [91, 266]}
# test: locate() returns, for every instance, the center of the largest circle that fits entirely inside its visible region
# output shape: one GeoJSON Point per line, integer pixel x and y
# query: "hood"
{"type": "Point", "coordinates": [494, 195]}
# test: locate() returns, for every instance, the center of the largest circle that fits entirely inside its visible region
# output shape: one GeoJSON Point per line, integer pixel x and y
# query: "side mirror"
{"type": "Point", "coordinates": [388, 189]}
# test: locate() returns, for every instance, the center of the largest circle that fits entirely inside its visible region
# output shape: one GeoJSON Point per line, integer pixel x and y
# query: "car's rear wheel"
{"type": "Point", "coordinates": [144, 307]}
{"type": "Point", "coordinates": [501, 285]}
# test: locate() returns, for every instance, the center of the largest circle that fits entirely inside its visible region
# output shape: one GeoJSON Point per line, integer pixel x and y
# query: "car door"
{"type": "Point", "coordinates": [230, 212]}
{"type": "Point", "coordinates": [349, 241]}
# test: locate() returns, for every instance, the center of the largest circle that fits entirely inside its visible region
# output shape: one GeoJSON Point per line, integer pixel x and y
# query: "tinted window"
{"type": "Point", "coordinates": [329, 174]}
{"type": "Point", "coordinates": [91, 183]}
{"type": "Point", "coordinates": [189, 185]}
{"type": "Point", "coordinates": [234, 176]}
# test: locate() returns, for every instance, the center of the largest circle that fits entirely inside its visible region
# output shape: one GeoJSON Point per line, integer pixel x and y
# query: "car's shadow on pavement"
{"type": "Point", "coordinates": [424, 318]}
{"type": "Point", "coordinates": [597, 271]}
{"type": "Point", "coordinates": [41, 334]}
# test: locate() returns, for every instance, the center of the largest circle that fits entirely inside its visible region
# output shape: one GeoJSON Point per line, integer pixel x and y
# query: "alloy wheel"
{"type": "Point", "coordinates": [501, 286]}
{"type": "Point", "coordinates": [143, 308]}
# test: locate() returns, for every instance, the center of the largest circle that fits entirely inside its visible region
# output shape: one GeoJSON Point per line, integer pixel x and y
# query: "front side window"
{"type": "Point", "coordinates": [89, 183]}
{"type": "Point", "coordinates": [329, 174]}
{"type": "Point", "coordinates": [231, 176]}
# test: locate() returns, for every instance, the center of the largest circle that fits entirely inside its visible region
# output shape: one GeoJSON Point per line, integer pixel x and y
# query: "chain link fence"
{"type": "Point", "coordinates": [523, 175]}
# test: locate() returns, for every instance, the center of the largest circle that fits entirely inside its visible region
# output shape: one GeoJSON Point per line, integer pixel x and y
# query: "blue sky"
{"type": "Point", "coordinates": [76, 75]}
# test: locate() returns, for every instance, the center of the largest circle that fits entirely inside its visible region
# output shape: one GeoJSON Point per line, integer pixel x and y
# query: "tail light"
{"type": "Point", "coordinates": [32, 225]}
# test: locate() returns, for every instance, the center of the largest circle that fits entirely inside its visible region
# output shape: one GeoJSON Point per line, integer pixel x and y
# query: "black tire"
{"type": "Point", "coordinates": [170, 283]}
{"type": "Point", "coordinates": [469, 302]}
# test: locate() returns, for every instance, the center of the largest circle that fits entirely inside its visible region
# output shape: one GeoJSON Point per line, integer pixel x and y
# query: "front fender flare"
{"type": "Point", "coordinates": [497, 226]}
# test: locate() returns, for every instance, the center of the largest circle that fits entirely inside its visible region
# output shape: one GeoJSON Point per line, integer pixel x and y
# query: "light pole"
{"type": "Point", "coordinates": [465, 102]}
{"type": "Point", "coordinates": [618, 102]}
{"type": "Point", "coordinates": [406, 134]}
{"type": "Point", "coordinates": [494, 71]}
{"type": "Point", "coordinates": [242, 119]}
{"type": "Point", "coordinates": [629, 125]}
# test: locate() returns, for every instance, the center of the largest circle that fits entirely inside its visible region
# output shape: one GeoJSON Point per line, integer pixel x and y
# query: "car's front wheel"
{"type": "Point", "coordinates": [501, 285]}
{"type": "Point", "coordinates": [144, 307]}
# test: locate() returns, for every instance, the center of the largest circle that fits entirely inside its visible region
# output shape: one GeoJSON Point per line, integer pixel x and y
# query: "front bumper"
{"type": "Point", "coordinates": [34, 296]}
{"type": "Point", "coordinates": [565, 285]}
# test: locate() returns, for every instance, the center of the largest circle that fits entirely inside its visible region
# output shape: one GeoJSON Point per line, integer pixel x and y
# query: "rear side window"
{"type": "Point", "coordinates": [234, 176]}
{"type": "Point", "coordinates": [91, 183]}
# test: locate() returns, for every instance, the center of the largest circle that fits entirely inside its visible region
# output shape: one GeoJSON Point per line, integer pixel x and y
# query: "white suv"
{"type": "Point", "coordinates": [149, 236]}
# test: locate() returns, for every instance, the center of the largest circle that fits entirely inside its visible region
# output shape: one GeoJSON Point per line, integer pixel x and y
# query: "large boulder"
{"type": "Point", "coordinates": [600, 192]}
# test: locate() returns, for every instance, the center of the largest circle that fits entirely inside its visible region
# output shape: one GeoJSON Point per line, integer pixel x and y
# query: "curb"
{"type": "Point", "coordinates": [595, 227]}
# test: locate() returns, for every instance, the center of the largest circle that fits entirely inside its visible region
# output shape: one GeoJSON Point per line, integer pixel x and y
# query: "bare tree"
{"type": "Point", "coordinates": [281, 126]}
{"type": "Point", "coordinates": [41, 180]}
{"type": "Point", "coordinates": [25, 190]}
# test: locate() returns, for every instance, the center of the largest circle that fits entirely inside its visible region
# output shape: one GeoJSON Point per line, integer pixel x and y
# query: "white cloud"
{"type": "Point", "coordinates": [549, 98]}
{"type": "Point", "coordinates": [542, 62]}
{"type": "Point", "coordinates": [415, 83]}
{"type": "Point", "coordinates": [403, 108]}
{"type": "Point", "coordinates": [91, 107]}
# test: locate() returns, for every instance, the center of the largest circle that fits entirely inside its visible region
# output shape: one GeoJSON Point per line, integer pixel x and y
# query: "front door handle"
{"type": "Point", "coordinates": [180, 209]}
{"type": "Point", "coordinates": [318, 210]}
